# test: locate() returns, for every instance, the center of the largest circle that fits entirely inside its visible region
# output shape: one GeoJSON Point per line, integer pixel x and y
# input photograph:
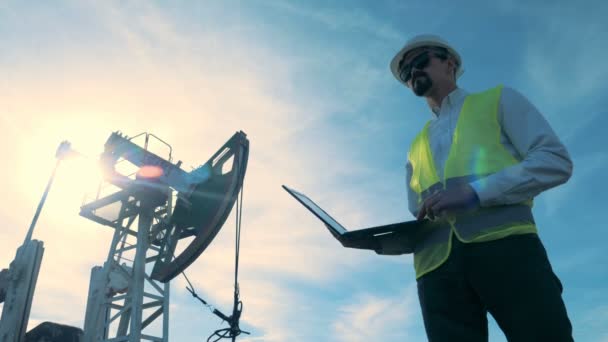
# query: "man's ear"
{"type": "Point", "coordinates": [452, 65]}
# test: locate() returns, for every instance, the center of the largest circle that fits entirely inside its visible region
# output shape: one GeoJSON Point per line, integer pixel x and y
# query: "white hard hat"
{"type": "Point", "coordinates": [421, 41]}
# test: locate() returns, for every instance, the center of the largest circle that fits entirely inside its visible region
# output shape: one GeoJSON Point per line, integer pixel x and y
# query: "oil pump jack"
{"type": "Point", "coordinates": [130, 291]}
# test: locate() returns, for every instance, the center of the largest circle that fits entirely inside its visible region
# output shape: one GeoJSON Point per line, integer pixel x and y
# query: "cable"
{"type": "Point", "coordinates": [233, 321]}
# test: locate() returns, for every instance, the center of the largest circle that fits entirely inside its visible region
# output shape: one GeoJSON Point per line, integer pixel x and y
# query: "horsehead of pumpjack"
{"type": "Point", "coordinates": [205, 195]}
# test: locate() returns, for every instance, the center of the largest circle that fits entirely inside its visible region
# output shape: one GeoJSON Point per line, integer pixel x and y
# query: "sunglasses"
{"type": "Point", "coordinates": [419, 62]}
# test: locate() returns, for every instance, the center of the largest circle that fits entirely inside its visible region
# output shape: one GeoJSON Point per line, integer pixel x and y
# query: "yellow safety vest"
{"type": "Point", "coordinates": [476, 152]}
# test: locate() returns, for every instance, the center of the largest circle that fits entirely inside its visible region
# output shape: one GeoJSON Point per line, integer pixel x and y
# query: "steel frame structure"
{"type": "Point", "coordinates": [122, 293]}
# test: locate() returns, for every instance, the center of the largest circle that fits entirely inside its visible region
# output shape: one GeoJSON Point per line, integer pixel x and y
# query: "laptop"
{"type": "Point", "coordinates": [392, 239]}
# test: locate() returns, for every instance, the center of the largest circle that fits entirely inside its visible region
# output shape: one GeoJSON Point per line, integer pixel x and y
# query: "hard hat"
{"type": "Point", "coordinates": [421, 41]}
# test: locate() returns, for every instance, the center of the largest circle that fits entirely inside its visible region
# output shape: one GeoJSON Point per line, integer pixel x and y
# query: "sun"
{"type": "Point", "coordinates": [74, 178]}
{"type": "Point", "coordinates": [78, 178]}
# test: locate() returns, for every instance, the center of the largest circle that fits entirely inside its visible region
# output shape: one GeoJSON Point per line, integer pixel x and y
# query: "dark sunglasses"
{"type": "Point", "coordinates": [419, 62]}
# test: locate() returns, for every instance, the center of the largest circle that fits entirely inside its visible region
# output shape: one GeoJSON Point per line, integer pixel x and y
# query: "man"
{"type": "Point", "coordinates": [473, 171]}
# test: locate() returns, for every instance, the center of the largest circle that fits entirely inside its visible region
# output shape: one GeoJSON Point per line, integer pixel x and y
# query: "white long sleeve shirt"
{"type": "Point", "coordinates": [544, 160]}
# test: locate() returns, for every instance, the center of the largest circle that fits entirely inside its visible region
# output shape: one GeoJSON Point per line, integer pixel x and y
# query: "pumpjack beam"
{"type": "Point", "coordinates": [120, 147]}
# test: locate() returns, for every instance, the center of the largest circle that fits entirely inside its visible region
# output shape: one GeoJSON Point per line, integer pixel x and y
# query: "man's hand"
{"type": "Point", "coordinates": [458, 198]}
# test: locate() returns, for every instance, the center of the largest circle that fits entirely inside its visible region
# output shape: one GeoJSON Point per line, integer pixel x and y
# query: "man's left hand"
{"type": "Point", "coordinates": [459, 198]}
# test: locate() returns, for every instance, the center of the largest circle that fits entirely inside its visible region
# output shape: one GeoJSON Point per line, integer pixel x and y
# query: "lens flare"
{"type": "Point", "coordinates": [150, 171]}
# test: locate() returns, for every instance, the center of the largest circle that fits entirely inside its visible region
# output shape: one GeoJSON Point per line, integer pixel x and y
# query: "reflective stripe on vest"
{"type": "Point", "coordinates": [476, 152]}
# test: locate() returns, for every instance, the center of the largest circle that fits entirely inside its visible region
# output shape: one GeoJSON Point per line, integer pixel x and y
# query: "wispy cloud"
{"type": "Point", "coordinates": [343, 19]}
{"type": "Point", "coordinates": [595, 322]}
{"type": "Point", "coordinates": [377, 318]}
{"type": "Point", "coordinates": [565, 68]}
{"type": "Point", "coordinates": [195, 105]}
{"type": "Point", "coordinates": [577, 260]}
{"type": "Point", "coordinates": [586, 168]}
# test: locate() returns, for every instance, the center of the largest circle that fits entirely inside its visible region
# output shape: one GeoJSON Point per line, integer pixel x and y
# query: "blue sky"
{"type": "Point", "coordinates": [308, 81]}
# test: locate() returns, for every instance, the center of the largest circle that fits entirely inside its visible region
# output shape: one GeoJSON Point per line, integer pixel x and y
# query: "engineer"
{"type": "Point", "coordinates": [474, 170]}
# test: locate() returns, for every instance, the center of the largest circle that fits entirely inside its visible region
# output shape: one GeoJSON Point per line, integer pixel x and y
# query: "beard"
{"type": "Point", "coordinates": [421, 85]}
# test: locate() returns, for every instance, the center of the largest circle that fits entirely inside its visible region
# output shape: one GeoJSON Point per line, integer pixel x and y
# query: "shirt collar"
{"type": "Point", "coordinates": [456, 96]}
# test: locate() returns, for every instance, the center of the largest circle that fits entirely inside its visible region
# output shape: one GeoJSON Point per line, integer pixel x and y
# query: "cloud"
{"type": "Point", "coordinates": [594, 320]}
{"type": "Point", "coordinates": [377, 318]}
{"type": "Point", "coordinates": [347, 20]}
{"type": "Point", "coordinates": [586, 167]}
{"type": "Point", "coordinates": [195, 96]}
{"type": "Point", "coordinates": [565, 68]}
{"type": "Point", "coordinates": [578, 261]}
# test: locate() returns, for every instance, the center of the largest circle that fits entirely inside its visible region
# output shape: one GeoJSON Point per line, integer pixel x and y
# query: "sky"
{"type": "Point", "coordinates": [309, 83]}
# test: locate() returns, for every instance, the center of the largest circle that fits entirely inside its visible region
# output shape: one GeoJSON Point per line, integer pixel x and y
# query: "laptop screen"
{"type": "Point", "coordinates": [315, 209]}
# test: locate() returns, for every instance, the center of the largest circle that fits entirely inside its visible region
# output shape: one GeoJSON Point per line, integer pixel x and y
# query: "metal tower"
{"type": "Point", "coordinates": [123, 300]}
{"type": "Point", "coordinates": [130, 293]}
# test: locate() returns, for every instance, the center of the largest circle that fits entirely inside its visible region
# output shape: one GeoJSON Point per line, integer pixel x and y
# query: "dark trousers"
{"type": "Point", "coordinates": [510, 278]}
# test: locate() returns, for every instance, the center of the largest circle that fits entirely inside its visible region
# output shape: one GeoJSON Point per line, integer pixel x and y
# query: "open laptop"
{"type": "Point", "coordinates": [392, 239]}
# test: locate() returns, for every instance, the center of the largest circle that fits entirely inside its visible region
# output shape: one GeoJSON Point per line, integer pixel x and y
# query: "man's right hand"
{"type": "Point", "coordinates": [442, 202]}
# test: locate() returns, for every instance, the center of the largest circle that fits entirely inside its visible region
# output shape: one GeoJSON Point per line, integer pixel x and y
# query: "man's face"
{"type": "Point", "coordinates": [423, 68]}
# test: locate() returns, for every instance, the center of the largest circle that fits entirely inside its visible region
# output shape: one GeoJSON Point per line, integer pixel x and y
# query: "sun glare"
{"type": "Point", "coordinates": [78, 177]}
{"type": "Point", "coordinates": [74, 178]}
{"type": "Point", "coordinates": [150, 171]}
